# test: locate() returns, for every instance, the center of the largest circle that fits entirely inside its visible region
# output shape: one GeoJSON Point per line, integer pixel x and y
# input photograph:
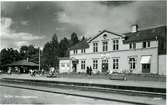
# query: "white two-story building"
{"type": "Point", "coordinates": [137, 52]}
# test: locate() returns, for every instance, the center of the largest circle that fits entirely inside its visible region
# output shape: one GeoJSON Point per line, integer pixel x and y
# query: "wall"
{"type": "Point", "coordinates": [123, 59]}
{"type": "Point", "coordinates": [162, 64]}
{"type": "Point", "coordinates": [66, 67]}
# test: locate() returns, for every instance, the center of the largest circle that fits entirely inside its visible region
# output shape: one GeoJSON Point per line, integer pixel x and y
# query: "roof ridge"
{"type": "Point", "coordinates": [151, 27]}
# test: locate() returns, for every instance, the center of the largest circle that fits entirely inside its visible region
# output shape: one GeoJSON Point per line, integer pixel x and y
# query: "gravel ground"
{"type": "Point", "coordinates": [22, 96]}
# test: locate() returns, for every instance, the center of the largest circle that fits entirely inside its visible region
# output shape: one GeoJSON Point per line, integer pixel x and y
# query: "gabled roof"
{"type": "Point", "coordinates": [103, 32]}
{"type": "Point", "coordinates": [81, 45]}
{"type": "Point", "coordinates": [23, 63]}
{"type": "Point", "coordinates": [146, 34]}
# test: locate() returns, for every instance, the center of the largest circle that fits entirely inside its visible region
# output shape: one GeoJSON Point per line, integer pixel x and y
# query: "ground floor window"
{"type": "Point", "coordinates": [132, 63]}
{"type": "Point", "coordinates": [145, 68]}
{"type": "Point", "coordinates": [95, 64]}
{"type": "Point", "coordinates": [115, 63]}
{"type": "Point", "coordinates": [82, 64]}
{"type": "Point", "coordinates": [62, 65]}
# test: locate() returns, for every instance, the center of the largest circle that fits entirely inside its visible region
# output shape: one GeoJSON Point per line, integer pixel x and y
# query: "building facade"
{"type": "Point", "coordinates": [136, 52]}
{"type": "Point", "coordinates": [64, 65]}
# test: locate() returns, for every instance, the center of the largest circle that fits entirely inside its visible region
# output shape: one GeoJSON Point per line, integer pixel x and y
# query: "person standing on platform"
{"type": "Point", "coordinates": [90, 70]}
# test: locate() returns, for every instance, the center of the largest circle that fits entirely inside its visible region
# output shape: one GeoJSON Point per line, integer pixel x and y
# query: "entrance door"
{"type": "Point", "coordinates": [145, 68]}
{"type": "Point", "coordinates": [74, 67]}
{"type": "Point", "coordinates": [104, 65]}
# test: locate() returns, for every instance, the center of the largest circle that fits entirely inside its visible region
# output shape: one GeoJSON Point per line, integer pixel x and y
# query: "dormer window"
{"type": "Point", "coordinates": [82, 50]}
{"type": "Point", "coordinates": [75, 51]}
{"type": "Point", "coordinates": [146, 44]}
{"type": "Point", "coordinates": [132, 45]}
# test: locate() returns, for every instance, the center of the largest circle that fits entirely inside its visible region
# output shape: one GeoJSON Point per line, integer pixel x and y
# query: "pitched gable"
{"type": "Point", "coordinates": [107, 33]}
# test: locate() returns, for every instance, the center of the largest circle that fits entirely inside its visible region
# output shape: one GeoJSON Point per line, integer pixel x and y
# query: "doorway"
{"type": "Point", "coordinates": [104, 65]}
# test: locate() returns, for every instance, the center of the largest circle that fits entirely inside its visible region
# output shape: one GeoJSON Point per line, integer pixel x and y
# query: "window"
{"type": "Point", "coordinates": [83, 64]}
{"type": "Point", "coordinates": [146, 44]}
{"type": "Point", "coordinates": [115, 45]}
{"type": "Point", "coordinates": [132, 63]}
{"type": "Point", "coordinates": [68, 65]}
{"type": "Point", "coordinates": [62, 65]}
{"type": "Point", "coordinates": [82, 50]}
{"type": "Point", "coordinates": [105, 46]}
{"type": "Point", "coordinates": [95, 64]}
{"type": "Point", "coordinates": [132, 45]}
{"type": "Point", "coordinates": [75, 51]}
{"type": "Point", "coordinates": [115, 63]}
{"type": "Point", "coordinates": [95, 47]}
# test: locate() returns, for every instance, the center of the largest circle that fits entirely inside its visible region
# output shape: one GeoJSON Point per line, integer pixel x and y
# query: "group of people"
{"type": "Point", "coordinates": [32, 73]}
{"type": "Point", "coordinates": [89, 70]}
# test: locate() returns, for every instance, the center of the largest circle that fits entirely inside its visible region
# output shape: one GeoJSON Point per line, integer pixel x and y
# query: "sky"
{"type": "Point", "coordinates": [25, 23]}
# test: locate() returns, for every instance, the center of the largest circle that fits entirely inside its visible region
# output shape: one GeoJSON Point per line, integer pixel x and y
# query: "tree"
{"type": "Point", "coordinates": [24, 51]}
{"type": "Point", "coordinates": [74, 39]}
{"type": "Point", "coordinates": [51, 52]}
{"type": "Point", "coordinates": [64, 45]}
{"type": "Point", "coordinates": [83, 38]}
{"type": "Point", "coordinates": [8, 56]}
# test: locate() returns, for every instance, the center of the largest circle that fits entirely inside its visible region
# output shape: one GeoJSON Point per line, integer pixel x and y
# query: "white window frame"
{"type": "Point", "coordinates": [115, 44]}
{"type": "Point", "coordinates": [95, 64]}
{"type": "Point", "coordinates": [83, 64]}
{"type": "Point", "coordinates": [82, 50]}
{"type": "Point", "coordinates": [75, 51]}
{"type": "Point", "coordinates": [95, 47]}
{"type": "Point", "coordinates": [105, 46]}
{"type": "Point", "coordinates": [147, 44]}
{"type": "Point", "coordinates": [132, 63]}
{"type": "Point", "coordinates": [132, 45]}
{"type": "Point", "coordinates": [115, 63]}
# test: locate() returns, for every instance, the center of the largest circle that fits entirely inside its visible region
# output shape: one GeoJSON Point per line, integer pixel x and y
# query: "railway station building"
{"type": "Point", "coordinates": [138, 51]}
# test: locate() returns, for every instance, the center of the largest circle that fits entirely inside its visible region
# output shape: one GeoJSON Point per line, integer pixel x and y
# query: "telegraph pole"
{"type": "Point", "coordinates": [39, 60]}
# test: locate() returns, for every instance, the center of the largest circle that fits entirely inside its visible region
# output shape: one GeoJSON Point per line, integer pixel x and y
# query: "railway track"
{"type": "Point", "coordinates": [127, 90]}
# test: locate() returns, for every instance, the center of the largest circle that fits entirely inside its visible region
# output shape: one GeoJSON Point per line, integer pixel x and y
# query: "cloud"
{"type": "Point", "coordinates": [92, 17]}
{"type": "Point", "coordinates": [10, 38]}
{"type": "Point", "coordinates": [24, 23]}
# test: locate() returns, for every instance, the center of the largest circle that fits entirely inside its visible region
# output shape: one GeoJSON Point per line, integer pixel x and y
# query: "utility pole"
{"type": "Point", "coordinates": [39, 60]}
{"type": "Point", "coordinates": [157, 56]}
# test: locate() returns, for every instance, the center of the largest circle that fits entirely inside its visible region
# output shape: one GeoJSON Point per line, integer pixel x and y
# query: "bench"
{"type": "Point", "coordinates": [117, 77]}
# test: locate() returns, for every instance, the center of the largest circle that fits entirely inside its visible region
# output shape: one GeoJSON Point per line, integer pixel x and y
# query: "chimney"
{"type": "Point", "coordinates": [134, 28]}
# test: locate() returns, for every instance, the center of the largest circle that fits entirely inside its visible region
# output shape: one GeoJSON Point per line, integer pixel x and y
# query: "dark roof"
{"type": "Point", "coordinates": [146, 34]}
{"type": "Point", "coordinates": [23, 63]}
{"type": "Point", "coordinates": [64, 58]}
{"type": "Point", "coordinates": [103, 32]}
{"type": "Point", "coordinates": [81, 45]}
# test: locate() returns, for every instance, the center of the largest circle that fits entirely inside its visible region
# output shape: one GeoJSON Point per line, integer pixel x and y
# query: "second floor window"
{"type": "Point", "coordinates": [82, 50]}
{"type": "Point", "coordinates": [105, 46]}
{"type": "Point", "coordinates": [115, 44]}
{"type": "Point", "coordinates": [95, 64]}
{"type": "Point", "coordinates": [83, 64]}
{"type": "Point", "coordinates": [75, 51]}
{"type": "Point", "coordinates": [146, 44]}
{"type": "Point", "coordinates": [132, 45]}
{"type": "Point", "coordinates": [95, 47]}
